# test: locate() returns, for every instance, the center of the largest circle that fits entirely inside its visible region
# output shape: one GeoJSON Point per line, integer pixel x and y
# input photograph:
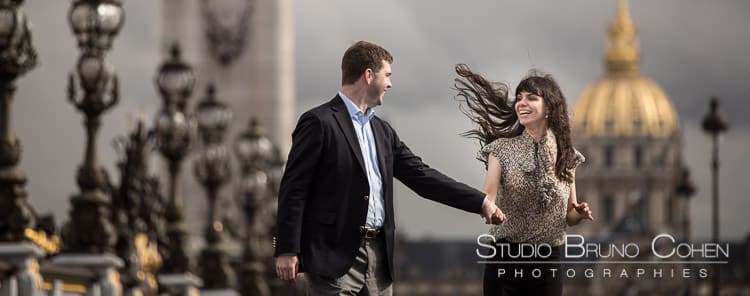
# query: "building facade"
{"type": "Point", "coordinates": [629, 131]}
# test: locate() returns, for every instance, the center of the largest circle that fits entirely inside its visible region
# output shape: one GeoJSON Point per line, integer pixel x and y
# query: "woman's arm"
{"type": "Point", "coordinates": [576, 211]}
{"type": "Point", "coordinates": [492, 181]}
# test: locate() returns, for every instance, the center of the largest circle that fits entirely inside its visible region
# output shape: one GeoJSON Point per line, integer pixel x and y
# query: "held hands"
{"type": "Point", "coordinates": [583, 210]}
{"type": "Point", "coordinates": [286, 267]}
{"type": "Point", "coordinates": [492, 214]}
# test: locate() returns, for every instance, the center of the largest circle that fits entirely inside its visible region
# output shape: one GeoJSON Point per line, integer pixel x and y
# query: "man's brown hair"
{"type": "Point", "coordinates": [361, 56]}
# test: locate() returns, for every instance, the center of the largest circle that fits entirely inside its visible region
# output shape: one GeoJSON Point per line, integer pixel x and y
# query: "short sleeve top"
{"type": "Point", "coordinates": [531, 196]}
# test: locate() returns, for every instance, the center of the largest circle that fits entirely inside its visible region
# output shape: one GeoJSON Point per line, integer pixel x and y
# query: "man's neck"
{"type": "Point", "coordinates": [356, 95]}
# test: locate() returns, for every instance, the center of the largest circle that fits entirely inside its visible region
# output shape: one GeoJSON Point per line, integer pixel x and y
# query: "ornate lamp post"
{"type": "Point", "coordinates": [213, 171]}
{"type": "Point", "coordinates": [714, 124]}
{"type": "Point", "coordinates": [275, 172]}
{"type": "Point", "coordinates": [138, 207]}
{"type": "Point", "coordinates": [254, 150]}
{"type": "Point", "coordinates": [17, 56]}
{"type": "Point", "coordinates": [95, 24]}
{"type": "Point", "coordinates": [89, 237]}
{"type": "Point", "coordinates": [175, 81]}
{"type": "Point", "coordinates": [685, 189]}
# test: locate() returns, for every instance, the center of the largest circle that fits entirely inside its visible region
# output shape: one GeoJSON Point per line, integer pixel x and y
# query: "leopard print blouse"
{"type": "Point", "coordinates": [532, 198]}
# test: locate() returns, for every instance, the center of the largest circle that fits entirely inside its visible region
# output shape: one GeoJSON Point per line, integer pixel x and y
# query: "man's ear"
{"type": "Point", "coordinates": [369, 75]}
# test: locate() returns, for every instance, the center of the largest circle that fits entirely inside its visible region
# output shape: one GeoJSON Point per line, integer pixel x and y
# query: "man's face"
{"type": "Point", "coordinates": [379, 82]}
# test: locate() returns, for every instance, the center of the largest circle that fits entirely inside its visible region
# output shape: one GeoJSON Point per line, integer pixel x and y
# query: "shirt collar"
{"type": "Point", "coordinates": [354, 111]}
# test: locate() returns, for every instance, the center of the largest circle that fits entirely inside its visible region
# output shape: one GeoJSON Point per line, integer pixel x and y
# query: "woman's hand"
{"type": "Point", "coordinates": [493, 215]}
{"type": "Point", "coordinates": [583, 210]}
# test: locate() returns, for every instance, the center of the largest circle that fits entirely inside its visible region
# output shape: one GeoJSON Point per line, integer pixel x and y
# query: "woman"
{"type": "Point", "coordinates": [530, 160]}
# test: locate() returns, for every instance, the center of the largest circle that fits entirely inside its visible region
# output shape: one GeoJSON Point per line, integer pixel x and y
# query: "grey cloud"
{"type": "Point", "coordinates": [693, 49]}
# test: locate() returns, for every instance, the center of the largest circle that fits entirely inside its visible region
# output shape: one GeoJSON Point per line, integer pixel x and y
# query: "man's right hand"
{"type": "Point", "coordinates": [286, 267]}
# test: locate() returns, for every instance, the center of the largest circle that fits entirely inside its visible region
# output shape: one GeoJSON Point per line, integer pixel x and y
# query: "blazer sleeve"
{"type": "Point", "coordinates": [307, 143]}
{"type": "Point", "coordinates": [430, 183]}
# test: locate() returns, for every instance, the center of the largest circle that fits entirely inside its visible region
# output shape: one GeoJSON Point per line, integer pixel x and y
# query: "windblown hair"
{"type": "Point", "coordinates": [488, 105]}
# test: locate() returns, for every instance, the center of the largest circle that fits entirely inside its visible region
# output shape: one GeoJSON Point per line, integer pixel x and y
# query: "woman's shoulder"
{"type": "Point", "coordinates": [500, 148]}
{"type": "Point", "coordinates": [495, 146]}
{"type": "Point", "coordinates": [506, 141]}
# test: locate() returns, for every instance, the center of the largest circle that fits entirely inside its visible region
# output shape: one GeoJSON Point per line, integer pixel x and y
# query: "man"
{"type": "Point", "coordinates": [335, 215]}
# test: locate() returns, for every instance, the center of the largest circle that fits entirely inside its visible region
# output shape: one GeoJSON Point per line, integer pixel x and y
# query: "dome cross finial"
{"type": "Point", "coordinates": [623, 11]}
{"type": "Point", "coordinates": [622, 44]}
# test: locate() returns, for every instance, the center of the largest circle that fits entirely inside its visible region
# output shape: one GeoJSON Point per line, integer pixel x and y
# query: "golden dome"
{"type": "Point", "coordinates": [624, 103]}
{"type": "Point", "coordinates": [624, 106]}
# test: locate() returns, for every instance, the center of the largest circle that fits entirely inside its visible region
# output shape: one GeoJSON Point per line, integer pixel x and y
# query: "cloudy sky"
{"type": "Point", "coordinates": [693, 49]}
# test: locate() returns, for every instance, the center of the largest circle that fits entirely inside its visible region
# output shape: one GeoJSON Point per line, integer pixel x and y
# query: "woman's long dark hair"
{"type": "Point", "coordinates": [488, 105]}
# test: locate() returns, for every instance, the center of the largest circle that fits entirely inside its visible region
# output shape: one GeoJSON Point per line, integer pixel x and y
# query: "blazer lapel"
{"type": "Point", "coordinates": [344, 122]}
{"type": "Point", "coordinates": [381, 146]}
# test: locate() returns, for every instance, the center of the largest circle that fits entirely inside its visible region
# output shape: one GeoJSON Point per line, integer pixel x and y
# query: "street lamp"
{"type": "Point", "coordinates": [685, 189]}
{"type": "Point", "coordinates": [138, 207]}
{"type": "Point", "coordinates": [17, 56]}
{"type": "Point", "coordinates": [212, 171]}
{"type": "Point", "coordinates": [714, 123]}
{"type": "Point", "coordinates": [95, 23]}
{"type": "Point", "coordinates": [275, 171]}
{"type": "Point", "coordinates": [175, 81]}
{"type": "Point", "coordinates": [254, 150]}
{"type": "Point", "coordinates": [89, 237]}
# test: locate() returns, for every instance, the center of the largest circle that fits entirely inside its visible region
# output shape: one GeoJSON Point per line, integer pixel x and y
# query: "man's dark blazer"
{"type": "Point", "coordinates": [323, 199]}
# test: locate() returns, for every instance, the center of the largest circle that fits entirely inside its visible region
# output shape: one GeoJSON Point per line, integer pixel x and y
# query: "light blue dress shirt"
{"type": "Point", "coordinates": [361, 121]}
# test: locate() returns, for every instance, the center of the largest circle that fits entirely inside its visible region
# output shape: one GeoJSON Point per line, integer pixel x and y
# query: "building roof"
{"type": "Point", "coordinates": [623, 102]}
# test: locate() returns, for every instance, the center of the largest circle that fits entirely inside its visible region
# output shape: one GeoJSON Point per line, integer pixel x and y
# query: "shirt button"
{"type": "Point", "coordinates": [367, 197]}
